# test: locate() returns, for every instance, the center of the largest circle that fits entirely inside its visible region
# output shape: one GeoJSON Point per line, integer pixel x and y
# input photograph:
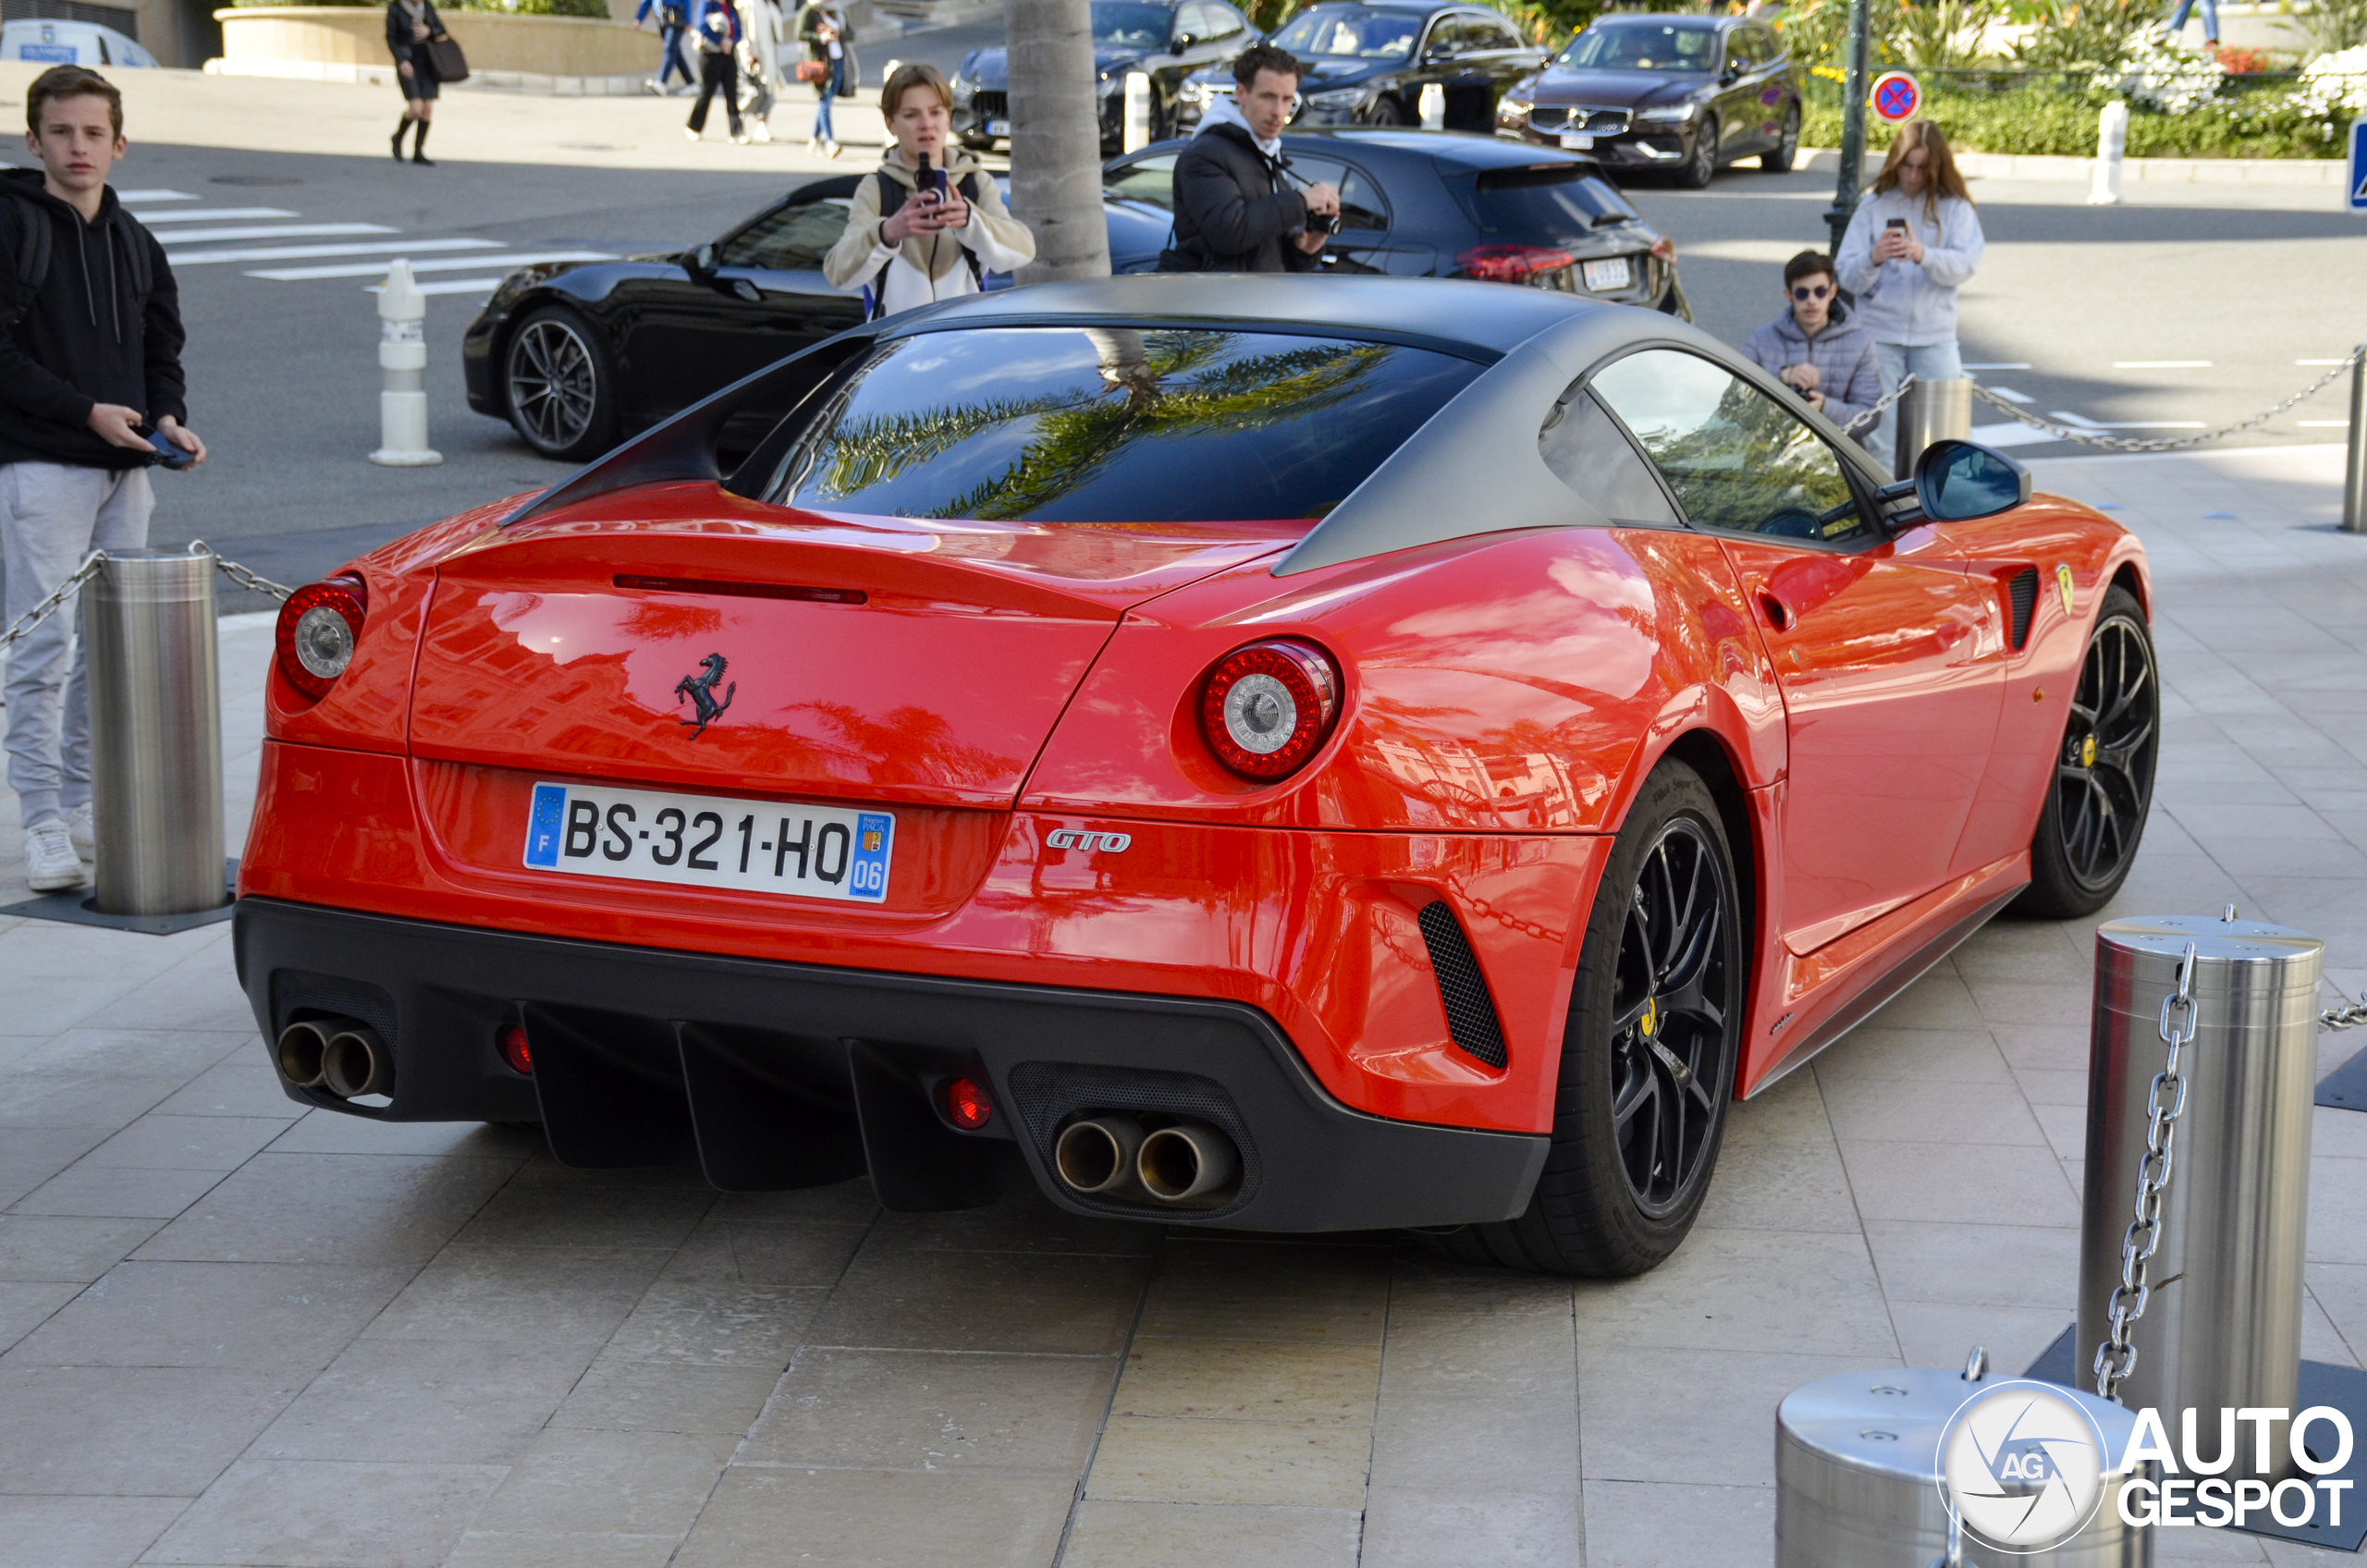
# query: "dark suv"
{"type": "Point", "coordinates": [1367, 64]}
{"type": "Point", "coordinates": [1687, 94]}
{"type": "Point", "coordinates": [1165, 40]}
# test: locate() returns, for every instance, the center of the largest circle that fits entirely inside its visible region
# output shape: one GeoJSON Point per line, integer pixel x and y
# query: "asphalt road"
{"type": "Point", "coordinates": [2247, 280]}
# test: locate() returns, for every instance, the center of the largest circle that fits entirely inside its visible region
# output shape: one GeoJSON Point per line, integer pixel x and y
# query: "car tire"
{"type": "Point", "coordinates": [2102, 789]}
{"type": "Point", "coordinates": [1702, 167]}
{"type": "Point", "coordinates": [1778, 158]}
{"type": "Point", "coordinates": [1387, 110]}
{"type": "Point", "coordinates": [559, 385]}
{"type": "Point", "coordinates": [1590, 1216]}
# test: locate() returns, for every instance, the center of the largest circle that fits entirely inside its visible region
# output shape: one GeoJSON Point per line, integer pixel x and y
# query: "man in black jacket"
{"type": "Point", "coordinates": [90, 366]}
{"type": "Point", "coordinates": [1237, 209]}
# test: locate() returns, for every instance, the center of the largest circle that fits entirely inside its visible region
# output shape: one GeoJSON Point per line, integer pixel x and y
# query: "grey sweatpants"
{"type": "Point", "coordinates": [52, 515]}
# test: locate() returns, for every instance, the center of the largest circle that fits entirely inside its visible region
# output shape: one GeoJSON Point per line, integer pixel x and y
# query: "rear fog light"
{"type": "Point", "coordinates": [512, 1039]}
{"type": "Point", "coordinates": [966, 1105]}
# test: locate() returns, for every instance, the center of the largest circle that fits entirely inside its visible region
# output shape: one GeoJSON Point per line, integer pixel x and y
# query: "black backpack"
{"type": "Point", "coordinates": [892, 197]}
{"type": "Point", "coordinates": [32, 260]}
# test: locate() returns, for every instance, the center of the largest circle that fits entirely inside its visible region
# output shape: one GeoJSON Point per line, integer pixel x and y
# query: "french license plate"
{"type": "Point", "coordinates": [1604, 276]}
{"type": "Point", "coordinates": [709, 842]}
{"type": "Point", "coordinates": [998, 128]}
{"type": "Point", "coordinates": [61, 52]}
{"type": "Point", "coordinates": [1577, 139]}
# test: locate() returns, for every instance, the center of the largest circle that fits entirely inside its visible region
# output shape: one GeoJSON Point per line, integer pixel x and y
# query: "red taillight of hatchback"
{"type": "Point", "coordinates": [1266, 708]}
{"type": "Point", "coordinates": [1513, 263]}
{"type": "Point", "coordinates": [319, 627]}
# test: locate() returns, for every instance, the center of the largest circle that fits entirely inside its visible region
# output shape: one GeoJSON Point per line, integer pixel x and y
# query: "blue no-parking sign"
{"type": "Point", "coordinates": [2359, 165]}
{"type": "Point", "coordinates": [1896, 96]}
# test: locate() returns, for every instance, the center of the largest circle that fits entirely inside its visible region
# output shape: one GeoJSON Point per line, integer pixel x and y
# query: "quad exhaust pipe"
{"type": "Point", "coordinates": [342, 1055]}
{"type": "Point", "coordinates": [1111, 1155]}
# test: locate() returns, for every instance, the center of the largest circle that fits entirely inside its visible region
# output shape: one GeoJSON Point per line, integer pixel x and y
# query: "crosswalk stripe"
{"type": "Point", "coordinates": [453, 285]}
{"type": "Point", "coordinates": [133, 197]}
{"type": "Point", "coordinates": [377, 269]}
{"type": "Point", "coordinates": [301, 253]}
{"type": "Point", "coordinates": [219, 215]}
{"type": "Point", "coordinates": [277, 231]}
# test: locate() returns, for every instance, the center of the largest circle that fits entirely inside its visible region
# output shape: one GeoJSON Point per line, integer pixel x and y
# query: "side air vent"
{"type": "Point", "coordinates": [2021, 596]}
{"type": "Point", "coordinates": [1470, 1016]}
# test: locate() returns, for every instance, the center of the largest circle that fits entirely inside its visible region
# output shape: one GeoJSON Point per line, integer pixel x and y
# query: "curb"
{"type": "Point", "coordinates": [384, 75]}
{"type": "Point", "coordinates": [2152, 171]}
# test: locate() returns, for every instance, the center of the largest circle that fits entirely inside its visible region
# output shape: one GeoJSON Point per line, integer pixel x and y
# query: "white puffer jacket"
{"type": "Point", "coordinates": [1904, 302]}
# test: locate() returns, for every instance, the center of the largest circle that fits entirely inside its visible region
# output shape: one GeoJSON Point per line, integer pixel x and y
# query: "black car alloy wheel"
{"type": "Point", "coordinates": [2102, 787]}
{"type": "Point", "coordinates": [557, 387]}
{"type": "Point", "coordinates": [1670, 1034]}
{"type": "Point", "coordinates": [1778, 159]}
{"type": "Point", "coordinates": [1702, 167]}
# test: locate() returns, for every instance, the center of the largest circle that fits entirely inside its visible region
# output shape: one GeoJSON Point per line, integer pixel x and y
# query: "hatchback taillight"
{"type": "Point", "coordinates": [319, 627]}
{"type": "Point", "coordinates": [1513, 263]}
{"type": "Point", "coordinates": [1267, 707]}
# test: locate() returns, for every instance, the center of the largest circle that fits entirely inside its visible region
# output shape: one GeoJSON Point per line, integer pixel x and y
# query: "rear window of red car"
{"type": "Point", "coordinates": [1114, 424]}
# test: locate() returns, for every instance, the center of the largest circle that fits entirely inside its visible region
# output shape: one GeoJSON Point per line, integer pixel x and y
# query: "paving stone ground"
{"type": "Point", "coordinates": [239, 1335]}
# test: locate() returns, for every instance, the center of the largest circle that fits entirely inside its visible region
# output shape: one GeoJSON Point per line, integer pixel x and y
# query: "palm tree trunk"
{"type": "Point", "coordinates": [1056, 139]}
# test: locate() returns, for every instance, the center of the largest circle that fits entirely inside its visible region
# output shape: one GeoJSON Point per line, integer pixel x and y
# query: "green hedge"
{"type": "Point", "coordinates": [2065, 125]}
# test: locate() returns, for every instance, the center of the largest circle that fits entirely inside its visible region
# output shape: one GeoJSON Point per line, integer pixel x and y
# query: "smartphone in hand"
{"type": "Point", "coordinates": [174, 457]}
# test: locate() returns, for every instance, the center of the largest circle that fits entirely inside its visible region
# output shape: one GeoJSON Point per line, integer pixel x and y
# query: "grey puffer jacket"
{"type": "Point", "coordinates": [1844, 356]}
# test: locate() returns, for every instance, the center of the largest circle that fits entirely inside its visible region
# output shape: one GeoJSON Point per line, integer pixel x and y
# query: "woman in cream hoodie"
{"type": "Point", "coordinates": [927, 247]}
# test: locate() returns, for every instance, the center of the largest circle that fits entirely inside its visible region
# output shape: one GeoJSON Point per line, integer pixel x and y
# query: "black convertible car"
{"type": "Point", "coordinates": [1687, 94]}
{"type": "Point", "coordinates": [1368, 61]}
{"type": "Point", "coordinates": [1164, 39]}
{"type": "Point", "coordinates": [577, 354]}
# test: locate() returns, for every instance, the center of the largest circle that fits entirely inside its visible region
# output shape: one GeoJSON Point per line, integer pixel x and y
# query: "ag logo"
{"type": "Point", "coordinates": [700, 690]}
{"type": "Point", "coordinates": [2023, 1465]}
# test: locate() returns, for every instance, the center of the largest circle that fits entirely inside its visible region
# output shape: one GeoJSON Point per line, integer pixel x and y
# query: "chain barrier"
{"type": "Point", "coordinates": [2116, 1356]}
{"type": "Point", "coordinates": [1881, 404]}
{"type": "Point", "coordinates": [2164, 444]}
{"type": "Point", "coordinates": [243, 576]}
{"type": "Point", "coordinates": [2348, 1017]}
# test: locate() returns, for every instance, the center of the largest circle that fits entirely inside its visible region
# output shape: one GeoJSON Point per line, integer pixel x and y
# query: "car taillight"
{"type": "Point", "coordinates": [318, 628]}
{"type": "Point", "coordinates": [966, 1105]}
{"type": "Point", "coordinates": [1512, 264]}
{"type": "Point", "coordinates": [1267, 706]}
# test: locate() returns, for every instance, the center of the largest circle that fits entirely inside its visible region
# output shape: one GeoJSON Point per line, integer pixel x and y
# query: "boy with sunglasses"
{"type": "Point", "coordinates": [1814, 348]}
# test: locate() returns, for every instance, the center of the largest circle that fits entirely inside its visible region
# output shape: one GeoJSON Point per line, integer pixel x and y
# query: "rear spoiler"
{"type": "Point", "coordinates": [684, 446]}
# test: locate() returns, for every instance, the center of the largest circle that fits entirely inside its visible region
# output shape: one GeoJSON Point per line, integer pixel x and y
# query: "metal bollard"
{"type": "Point", "coordinates": [1432, 103]}
{"type": "Point", "coordinates": [2112, 141]}
{"type": "Point", "coordinates": [2221, 1327]}
{"type": "Point", "coordinates": [402, 354]}
{"type": "Point", "coordinates": [1858, 1476]}
{"type": "Point", "coordinates": [155, 733]}
{"type": "Point", "coordinates": [2354, 471]}
{"type": "Point", "coordinates": [1929, 411]}
{"type": "Point", "coordinates": [1137, 111]}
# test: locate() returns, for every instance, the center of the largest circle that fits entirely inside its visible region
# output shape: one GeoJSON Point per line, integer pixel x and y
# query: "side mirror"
{"type": "Point", "coordinates": [1957, 481]}
{"type": "Point", "coordinates": [745, 289]}
{"type": "Point", "coordinates": [1726, 77]}
{"type": "Point", "coordinates": [700, 264]}
{"type": "Point", "coordinates": [1180, 42]}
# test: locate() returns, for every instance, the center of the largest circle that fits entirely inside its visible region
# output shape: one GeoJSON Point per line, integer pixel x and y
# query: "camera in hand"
{"type": "Point", "coordinates": [1323, 223]}
{"type": "Point", "coordinates": [929, 178]}
{"type": "Point", "coordinates": [170, 454]}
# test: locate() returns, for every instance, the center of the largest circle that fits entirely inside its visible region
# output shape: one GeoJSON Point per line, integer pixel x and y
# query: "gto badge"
{"type": "Point", "coordinates": [2063, 586]}
{"type": "Point", "coordinates": [1077, 839]}
{"type": "Point", "coordinates": [700, 690]}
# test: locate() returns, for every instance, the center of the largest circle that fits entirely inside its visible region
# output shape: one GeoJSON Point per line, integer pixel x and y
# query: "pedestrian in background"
{"type": "Point", "coordinates": [1912, 244]}
{"type": "Point", "coordinates": [760, 63]}
{"type": "Point", "coordinates": [672, 22]}
{"type": "Point", "coordinates": [930, 224]}
{"type": "Point", "coordinates": [716, 27]}
{"type": "Point", "coordinates": [823, 28]}
{"type": "Point", "coordinates": [409, 25]}
{"type": "Point", "coordinates": [1235, 209]}
{"type": "Point", "coordinates": [90, 366]}
{"type": "Point", "coordinates": [2210, 21]}
{"type": "Point", "coordinates": [1816, 348]}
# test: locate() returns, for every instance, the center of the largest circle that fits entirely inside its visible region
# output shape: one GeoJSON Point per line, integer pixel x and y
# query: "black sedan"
{"type": "Point", "coordinates": [577, 354]}
{"type": "Point", "coordinates": [1368, 63]}
{"type": "Point", "coordinates": [1688, 94]}
{"type": "Point", "coordinates": [1164, 39]}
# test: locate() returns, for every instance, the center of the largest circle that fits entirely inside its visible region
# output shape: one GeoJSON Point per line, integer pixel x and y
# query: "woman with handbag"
{"type": "Point", "coordinates": [412, 26]}
{"type": "Point", "coordinates": [823, 26]}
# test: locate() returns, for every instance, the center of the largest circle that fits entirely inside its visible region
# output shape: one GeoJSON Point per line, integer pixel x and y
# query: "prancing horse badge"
{"type": "Point", "coordinates": [700, 690]}
{"type": "Point", "coordinates": [2062, 586]}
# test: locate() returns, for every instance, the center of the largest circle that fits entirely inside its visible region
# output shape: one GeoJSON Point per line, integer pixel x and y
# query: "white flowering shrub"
{"type": "Point", "coordinates": [2334, 83]}
{"type": "Point", "coordinates": [2163, 73]}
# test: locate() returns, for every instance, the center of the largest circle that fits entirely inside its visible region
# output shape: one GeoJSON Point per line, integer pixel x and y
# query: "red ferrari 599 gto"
{"type": "Point", "coordinates": [1239, 752]}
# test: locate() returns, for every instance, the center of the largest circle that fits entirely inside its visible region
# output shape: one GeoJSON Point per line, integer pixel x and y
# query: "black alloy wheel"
{"type": "Point", "coordinates": [1387, 110]}
{"type": "Point", "coordinates": [558, 385]}
{"type": "Point", "coordinates": [1778, 158]}
{"type": "Point", "coordinates": [1648, 1052]}
{"type": "Point", "coordinates": [2102, 788]}
{"type": "Point", "coordinates": [1702, 167]}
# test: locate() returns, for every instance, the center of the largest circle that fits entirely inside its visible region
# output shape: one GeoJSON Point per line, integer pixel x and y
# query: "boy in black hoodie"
{"type": "Point", "coordinates": [90, 363]}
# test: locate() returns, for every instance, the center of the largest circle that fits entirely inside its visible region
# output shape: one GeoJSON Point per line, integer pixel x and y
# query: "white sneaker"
{"type": "Point", "coordinates": [689, 133]}
{"type": "Point", "coordinates": [80, 834]}
{"type": "Point", "coordinates": [51, 865]}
